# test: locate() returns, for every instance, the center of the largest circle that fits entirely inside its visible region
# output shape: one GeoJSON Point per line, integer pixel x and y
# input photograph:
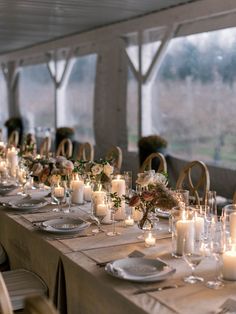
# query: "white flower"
{"type": "Point", "coordinates": [108, 169]}
{"type": "Point", "coordinates": [146, 178]}
{"type": "Point", "coordinates": [37, 169]}
{"type": "Point", "coordinates": [68, 166]}
{"type": "Point", "coordinates": [55, 179]}
{"type": "Point", "coordinates": [159, 178]}
{"type": "Point", "coordinates": [97, 169]}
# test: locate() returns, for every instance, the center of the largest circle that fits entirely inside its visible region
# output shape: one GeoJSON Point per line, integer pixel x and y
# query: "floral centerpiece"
{"type": "Point", "coordinates": [50, 170]}
{"type": "Point", "coordinates": [99, 172]}
{"type": "Point", "coordinates": [152, 193]}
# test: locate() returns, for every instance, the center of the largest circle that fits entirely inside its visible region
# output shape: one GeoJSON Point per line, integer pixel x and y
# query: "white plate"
{"type": "Point", "coordinates": [27, 203]}
{"type": "Point", "coordinates": [162, 213]}
{"type": "Point", "coordinates": [64, 225]}
{"type": "Point", "coordinates": [6, 188]}
{"type": "Point", "coordinates": [139, 269]}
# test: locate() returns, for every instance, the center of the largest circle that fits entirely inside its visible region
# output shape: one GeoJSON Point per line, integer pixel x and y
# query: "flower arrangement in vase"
{"type": "Point", "coordinates": [152, 192]}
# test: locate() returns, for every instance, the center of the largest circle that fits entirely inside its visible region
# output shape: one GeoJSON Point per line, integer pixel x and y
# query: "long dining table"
{"type": "Point", "coordinates": [72, 266]}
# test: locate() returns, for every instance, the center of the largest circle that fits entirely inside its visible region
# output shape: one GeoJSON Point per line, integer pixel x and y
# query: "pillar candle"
{"type": "Point", "coordinates": [118, 186]}
{"type": "Point", "coordinates": [229, 265]}
{"type": "Point", "coordinates": [129, 221]}
{"type": "Point", "coordinates": [12, 160]}
{"type": "Point", "coordinates": [184, 230]}
{"type": "Point", "coordinates": [98, 198]}
{"type": "Point", "coordinates": [150, 240]}
{"type": "Point", "coordinates": [101, 210]}
{"type": "Point", "coordinates": [87, 193]}
{"type": "Point", "coordinates": [77, 195]}
{"type": "Point", "coordinates": [232, 226]}
{"type": "Point", "coordinates": [198, 227]}
{"type": "Point", "coordinates": [120, 212]}
{"type": "Point", "coordinates": [107, 218]}
{"type": "Point", "coordinates": [59, 191]}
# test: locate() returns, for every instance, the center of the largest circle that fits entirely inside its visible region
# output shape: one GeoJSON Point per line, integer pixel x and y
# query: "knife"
{"type": "Point", "coordinates": [157, 289]}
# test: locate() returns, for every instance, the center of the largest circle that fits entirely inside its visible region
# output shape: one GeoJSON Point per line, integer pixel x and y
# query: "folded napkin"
{"type": "Point", "coordinates": [117, 271]}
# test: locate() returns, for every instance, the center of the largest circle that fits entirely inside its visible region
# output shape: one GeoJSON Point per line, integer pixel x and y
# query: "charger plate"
{"type": "Point", "coordinates": [64, 225]}
{"type": "Point", "coordinates": [140, 269]}
{"type": "Point", "coordinates": [26, 203]}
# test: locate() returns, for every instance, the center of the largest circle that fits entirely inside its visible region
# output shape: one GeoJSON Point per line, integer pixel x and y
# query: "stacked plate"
{"type": "Point", "coordinates": [139, 269]}
{"type": "Point", "coordinates": [161, 213]}
{"type": "Point", "coordinates": [64, 225]}
{"type": "Point", "coordinates": [26, 203]}
{"type": "Point", "coordinates": [6, 188]}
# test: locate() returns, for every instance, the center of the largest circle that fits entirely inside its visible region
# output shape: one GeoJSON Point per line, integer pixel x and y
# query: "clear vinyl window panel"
{"type": "Point", "coordinates": [76, 98]}
{"type": "Point", "coordinates": [192, 97]}
{"type": "Point", "coordinates": [4, 113]}
{"type": "Point", "coordinates": [36, 99]}
{"type": "Point", "coordinates": [150, 42]}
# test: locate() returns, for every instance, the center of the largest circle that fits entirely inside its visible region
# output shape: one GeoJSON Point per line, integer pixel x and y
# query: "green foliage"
{"type": "Point", "coordinates": [116, 200]}
{"type": "Point", "coordinates": [65, 131]}
{"type": "Point", "coordinates": [14, 122]}
{"type": "Point", "coordinates": [152, 142]}
{"type": "Point", "coordinates": [190, 61]}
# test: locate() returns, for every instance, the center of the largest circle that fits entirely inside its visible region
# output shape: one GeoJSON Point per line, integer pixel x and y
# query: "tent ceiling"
{"type": "Point", "coordinates": [24, 23]}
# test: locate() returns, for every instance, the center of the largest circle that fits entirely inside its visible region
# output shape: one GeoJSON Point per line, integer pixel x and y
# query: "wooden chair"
{"type": "Point", "coordinates": [202, 185]}
{"type": "Point", "coordinates": [5, 302]}
{"type": "Point", "coordinates": [30, 142]}
{"type": "Point", "coordinates": [65, 148]}
{"type": "Point", "coordinates": [45, 146]}
{"type": "Point", "coordinates": [14, 138]}
{"type": "Point", "coordinates": [22, 283]}
{"type": "Point", "coordinates": [86, 152]}
{"type": "Point", "coordinates": [39, 305]}
{"type": "Point", "coordinates": [114, 154]}
{"type": "Point", "coordinates": [234, 198]}
{"type": "Point", "coordinates": [147, 164]}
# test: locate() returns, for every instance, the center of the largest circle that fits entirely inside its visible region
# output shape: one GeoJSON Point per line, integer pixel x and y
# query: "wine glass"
{"type": "Point", "coordinates": [128, 182]}
{"type": "Point", "coordinates": [210, 209]}
{"type": "Point", "coordinates": [193, 254]}
{"type": "Point", "coordinates": [68, 195]}
{"type": "Point", "coordinates": [58, 193]}
{"type": "Point", "coordinates": [113, 232]}
{"type": "Point", "coordinates": [216, 248]}
{"type": "Point", "coordinates": [113, 209]}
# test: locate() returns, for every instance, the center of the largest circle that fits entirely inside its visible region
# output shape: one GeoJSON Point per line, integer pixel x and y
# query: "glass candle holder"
{"type": "Point", "coordinates": [229, 221]}
{"type": "Point", "coordinates": [182, 227]}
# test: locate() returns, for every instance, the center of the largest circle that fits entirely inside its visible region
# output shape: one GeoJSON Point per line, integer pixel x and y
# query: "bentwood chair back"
{"type": "Point", "coordinates": [199, 185]}
{"type": "Point", "coordinates": [5, 302]}
{"type": "Point", "coordinates": [21, 284]}
{"type": "Point", "coordinates": [39, 305]}
{"type": "Point", "coordinates": [86, 152]}
{"type": "Point", "coordinates": [234, 198]}
{"type": "Point", "coordinates": [30, 140]}
{"type": "Point", "coordinates": [114, 154]}
{"type": "Point", "coordinates": [65, 148]}
{"type": "Point", "coordinates": [147, 164]}
{"type": "Point", "coordinates": [14, 138]}
{"type": "Point", "coordinates": [45, 146]}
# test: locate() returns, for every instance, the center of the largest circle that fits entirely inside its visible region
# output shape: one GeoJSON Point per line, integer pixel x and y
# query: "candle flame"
{"type": "Point", "coordinates": [183, 214]}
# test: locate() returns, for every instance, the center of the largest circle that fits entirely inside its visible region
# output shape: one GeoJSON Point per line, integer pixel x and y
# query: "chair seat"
{"type": "Point", "coordinates": [22, 283]}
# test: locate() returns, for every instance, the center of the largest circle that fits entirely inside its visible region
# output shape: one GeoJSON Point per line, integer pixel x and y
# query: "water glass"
{"type": "Point", "coordinates": [58, 194]}
{"type": "Point", "coordinates": [229, 221]}
{"type": "Point", "coordinates": [193, 258]}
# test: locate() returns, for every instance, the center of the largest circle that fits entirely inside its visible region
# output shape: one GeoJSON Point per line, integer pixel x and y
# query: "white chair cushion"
{"type": "Point", "coordinates": [22, 283]}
